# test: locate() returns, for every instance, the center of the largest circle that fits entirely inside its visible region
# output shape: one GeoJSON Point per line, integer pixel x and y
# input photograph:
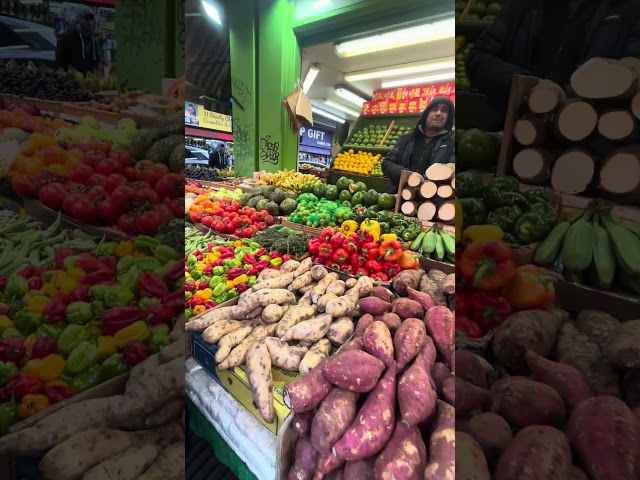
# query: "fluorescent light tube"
{"type": "Point", "coordinates": [321, 3]}
{"type": "Point", "coordinates": [328, 115]}
{"type": "Point", "coordinates": [400, 82]}
{"type": "Point", "coordinates": [349, 96]}
{"type": "Point", "coordinates": [310, 78]}
{"type": "Point", "coordinates": [418, 35]}
{"type": "Point", "coordinates": [408, 69]}
{"type": "Point", "coordinates": [212, 12]}
{"type": "Point", "coordinates": [339, 106]}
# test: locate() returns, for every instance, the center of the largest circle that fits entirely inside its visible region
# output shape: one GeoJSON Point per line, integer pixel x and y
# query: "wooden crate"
{"type": "Point", "coordinates": [312, 232]}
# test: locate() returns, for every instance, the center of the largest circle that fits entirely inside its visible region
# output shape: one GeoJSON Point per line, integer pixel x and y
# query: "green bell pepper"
{"type": "Point", "coordinates": [147, 264]}
{"type": "Point", "coordinates": [70, 262]}
{"type": "Point", "coordinates": [81, 358]}
{"type": "Point", "coordinates": [536, 195]}
{"type": "Point", "coordinates": [130, 279]}
{"type": "Point", "coordinates": [165, 254]}
{"type": "Point", "coordinates": [495, 198]}
{"type": "Point", "coordinates": [191, 260]}
{"type": "Point", "coordinates": [78, 312]}
{"type": "Point", "coordinates": [97, 293]}
{"type": "Point", "coordinates": [188, 313]}
{"type": "Point", "coordinates": [253, 279]}
{"type": "Point", "coordinates": [11, 333]}
{"type": "Point", "coordinates": [264, 258]}
{"type": "Point", "coordinates": [474, 211]}
{"type": "Point", "coordinates": [16, 287]}
{"type": "Point", "coordinates": [124, 264]}
{"type": "Point", "coordinates": [113, 367]}
{"type": "Point", "coordinates": [146, 302]}
{"type": "Point", "coordinates": [216, 271]}
{"type": "Point", "coordinates": [396, 220]}
{"type": "Point", "coordinates": [531, 228]}
{"type": "Point", "coordinates": [97, 307]}
{"type": "Point", "coordinates": [219, 289]}
{"type": "Point", "coordinates": [215, 280]}
{"type": "Point", "coordinates": [8, 417]}
{"type": "Point", "coordinates": [144, 242]}
{"type": "Point", "coordinates": [398, 231]}
{"type": "Point", "coordinates": [505, 184]}
{"type": "Point", "coordinates": [384, 228]}
{"type": "Point", "coordinates": [230, 263]}
{"type": "Point", "coordinates": [71, 337]}
{"type": "Point", "coordinates": [118, 296]}
{"type": "Point", "coordinates": [469, 185]}
{"type": "Point", "coordinates": [410, 234]}
{"type": "Point", "coordinates": [27, 322]}
{"type": "Point", "coordinates": [106, 248]}
{"type": "Point", "coordinates": [159, 338]}
{"type": "Point", "coordinates": [86, 379]}
{"type": "Point", "coordinates": [545, 211]}
{"type": "Point", "coordinates": [505, 217]}
{"type": "Point", "coordinates": [7, 369]}
{"type": "Point", "coordinates": [510, 239]}
{"type": "Point", "coordinates": [46, 330]}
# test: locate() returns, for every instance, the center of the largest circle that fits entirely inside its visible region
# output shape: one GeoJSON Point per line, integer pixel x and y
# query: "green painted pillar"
{"type": "Point", "coordinates": [241, 14]}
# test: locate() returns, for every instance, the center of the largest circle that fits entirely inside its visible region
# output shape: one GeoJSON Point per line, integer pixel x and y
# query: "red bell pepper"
{"type": "Point", "coordinates": [467, 328]}
{"type": "Point", "coordinates": [157, 314]}
{"type": "Point", "coordinates": [98, 277]}
{"type": "Point", "coordinates": [59, 254]}
{"type": "Point", "coordinates": [340, 256]}
{"type": "Point", "coordinates": [286, 257]}
{"type": "Point", "coordinates": [275, 254]}
{"type": "Point", "coordinates": [44, 346]}
{"type": "Point", "coordinates": [346, 268]}
{"type": "Point", "coordinates": [35, 283]}
{"type": "Point", "coordinates": [489, 309]}
{"type": "Point", "coordinates": [54, 310]}
{"type": "Point", "coordinates": [242, 287]}
{"type": "Point", "coordinates": [373, 266]}
{"type": "Point", "coordinates": [108, 262]}
{"type": "Point", "coordinates": [176, 272]}
{"type": "Point", "coordinates": [115, 319]}
{"type": "Point", "coordinates": [391, 269]}
{"type": "Point", "coordinates": [89, 263]}
{"type": "Point", "coordinates": [326, 234]}
{"type": "Point", "coordinates": [488, 265]}
{"type": "Point", "coordinates": [261, 251]}
{"type": "Point", "coordinates": [356, 259]}
{"type": "Point", "coordinates": [380, 276]}
{"type": "Point", "coordinates": [326, 251]}
{"type": "Point", "coordinates": [360, 272]}
{"type": "Point", "coordinates": [22, 385]}
{"type": "Point", "coordinates": [135, 352]}
{"type": "Point", "coordinates": [350, 245]}
{"type": "Point", "coordinates": [314, 246]}
{"type": "Point", "coordinates": [12, 350]}
{"type": "Point", "coordinates": [175, 300]}
{"type": "Point", "coordinates": [391, 250]}
{"type": "Point", "coordinates": [337, 240]}
{"type": "Point", "coordinates": [463, 302]}
{"type": "Point", "coordinates": [250, 259]}
{"type": "Point", "coordinates": [57, 393]}
{"type": "Point", "coordinates": [152, 285]}
{"type": "Point", "coordinates": [364, 237]}
{"type": "Point", "coordinates": [261, 265]}
{"type": "Point", "coordinates": [370, 250]}
{"type": "Point", "coordinates": [235, 273]}
{"type": "Point", "coordinates": [195, 301]}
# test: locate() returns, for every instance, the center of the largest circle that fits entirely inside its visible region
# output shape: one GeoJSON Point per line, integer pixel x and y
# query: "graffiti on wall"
{"type": "Point", "coordinates": [269, 150]}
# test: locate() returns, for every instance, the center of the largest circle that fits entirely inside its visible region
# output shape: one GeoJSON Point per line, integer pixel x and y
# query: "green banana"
{"type": "Point", "coordinates": [577, 246]}
{"type": "Point", "coordinates": [604, 261]}
{"type": "Point", "coordinates": [417, 243]}
{"type": "Point", "coordinates": [625, 246]}
{"type": "Point", "coordinates": [440, 251]}
{"type": "Point", "coordinates": [448, 241]}
{"type": "Point", "coordinates": [548, 251]}
{"type": "Point", "coordinates": [429, 242]}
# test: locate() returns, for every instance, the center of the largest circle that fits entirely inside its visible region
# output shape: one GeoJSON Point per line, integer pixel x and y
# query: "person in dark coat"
{"type": "Point", "coordinates": [78, 47]}
{"type": "Point", "coordinates": [432, 141]}
{"type": "Point", "coordinates": [548, 39]}
{"type": "Point", "coordinates": [217, 158]}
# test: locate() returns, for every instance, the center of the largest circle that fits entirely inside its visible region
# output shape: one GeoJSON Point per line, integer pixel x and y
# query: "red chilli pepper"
{"type": "Point", "coordinates": [115, 319]}
{"type": "Point", "coordinates": [135, 352]}
{"type": "Point", "coordinates": [152, 285]}
{"type": "Point", "coordinates": [57, 393]}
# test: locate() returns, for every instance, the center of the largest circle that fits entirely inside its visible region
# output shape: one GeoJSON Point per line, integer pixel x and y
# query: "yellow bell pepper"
{"type": "Point", "coordinates": [93, 330]}
{"type": "Point", "coordinates": [199, 309]}
{"type": "Point", "coordinates": [64, 283]}
{"type": "Point", "coordinates": [349, 227]}
{"type": "Point", "coordinates": [56, 383]}
{"type": "Point", "coordinates": [137, 331]}
{"type": "Point", "coordinates": [32, 404]}
{"type": "Point", "coordinates": [482, 234]}
{"type": "Point", "coordinates": [75, 272]}
{"type": "Point", "coordinates": [229, 285]}
{"type": "Point", "coordinates": [50, 289]}
{"type": "Point", "coordinates": [211, 258]}
{"type": "Point", "coordinates": [47, 368]}
{"type": "Point", "coordinates": [240, 279]}
{"type": "Point", "coordinates": [372, 227]}
{"type": "Point", "coordinates": [388, 237]}
{"type": "Point", "coordinates": [205, 293]}
{"type": "Point", "coordinates": [37, 304]}
{"type": "Point", "coordinates": [200, 267]}
{"type": "Point", "coordinates": [124, 248]}
{"type": "Point", "coordinates": [6, 322]}
{"type": "Point", "coordinates": [187, 275]}
{"type": "Point", "coordinates": [29, 341]}
{"type": "Point", "coordinates": [106, 347]}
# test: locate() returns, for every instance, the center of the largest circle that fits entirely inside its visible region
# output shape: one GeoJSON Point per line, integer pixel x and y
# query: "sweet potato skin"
{"type": "Point", "coordinates": [407, 308]}
{"type": "Point", "coordinates": [537, 451]}
{"type": "Point", "coordinates": [391, 320]}
{"type": "Point", "coordinates": [353, 370]}
{"type": "Point", "coordinates": [440, 372]}
{"type": "Point", "coordinates": [423, 298]}
{"type": "Point", "coordinates": [362, 325]}
{"type": "Point", "coordinates": [470, 461]}
{"type": "Point", "coordinates": [326, 464]}
{"type": "Point", "coordinates": [382, 293]}
{"type": "Point", "coordinates": [306, 394]}
{"type": "Point", "coordinates": [301, 424]}
{"type": "Point", "coordinates": [416, 397]}
{"type": "Point", "coordinates": [305, 462]}
{"type": "Point", "coordinates": [260, 379]}
{"type": "Point", "coordinates": [405, 456]}
{"type": "Point", "coordinates": [360, 470]}
{"type": "Point", "coordinates": [336, 412]}
{"type": "Point", "coordinates": [524, 402]}
{"type": "Point", "coordinates": [469, 397]}
{"type": "Point", "coordinates": [378, 342]}
{"type": "Point", "coordinates": [604, 435]}
{"type": "Point", "coordinates": [373, 305]}
{"type": "Point", "coordinates": [492, 432]}
{"type": "Point", "coordinates": [353, 344]}
{"type": "Point", "coordinates": [449, 390]}
{"type": "Point", "coordinates": [406, 278]}
{"type": "Point", "coordinates": [439, 321]}
{"type": "Point", "coordinates": [442, 444]}
{"type": "Point", "coordinates": [470, 367]}
{"type": "Point", "coordinates": [408, 341]}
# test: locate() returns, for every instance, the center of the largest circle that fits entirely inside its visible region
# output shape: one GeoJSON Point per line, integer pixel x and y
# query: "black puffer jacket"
{"type": "Point", "coordinates": [610, 29]}
{"type": "Point", "coordinates": [443, 147]}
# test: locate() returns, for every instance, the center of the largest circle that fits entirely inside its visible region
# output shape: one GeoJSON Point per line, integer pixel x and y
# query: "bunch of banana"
{"type": "Point", "coordinates": [288, 180]}
{"type": "Point", "coordinates": [594, 248]}
{"type": "Point", "coordinates": [436, 243]}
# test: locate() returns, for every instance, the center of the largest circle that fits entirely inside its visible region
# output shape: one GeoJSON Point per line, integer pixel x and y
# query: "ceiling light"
{"type": "Point", "coordinates": [328, 115]}
{"type": "Point", "coordinates": [419, 80]}
{"type": "Point", "coordinates": [342, 108]}
{"type": "Point", "coordinates": [408, 69]}
{"type": "Point", "coordinates": [321, 3]}
{"type": "Point", "coordinates": [349, 96]}
{"type": "Point", "coordinates": [419, 35]}
{"type": "Point", "coordinates": [311, 76]}
{"type": "Point", "coordinates": [212, 12]}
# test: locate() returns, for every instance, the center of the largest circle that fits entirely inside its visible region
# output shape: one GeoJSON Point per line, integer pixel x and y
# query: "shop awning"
{"type": "Point", "coordinates": [202, 133]}
{"type": "Point", "coordinates": [316, 150]}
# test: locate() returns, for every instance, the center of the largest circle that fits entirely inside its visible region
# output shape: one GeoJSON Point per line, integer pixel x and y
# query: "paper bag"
{"type": "Point", "coordinates": [298, 107]}
{"type": "Point", "coordinates": [303, 108]}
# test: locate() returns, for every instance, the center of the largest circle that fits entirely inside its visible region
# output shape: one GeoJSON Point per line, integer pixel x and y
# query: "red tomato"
{"type": "Point", "coordinates": [261, 226]}
{"type": "Point", "coordinates": [96, 179]}
{"type": "Point", "coordinates": [52, 195]}
{"type": "Point", "coordinates": [269, 220]}
{"type": "Point", "coordinates": [151, 172]}
{"type": "Point", "coordinates": [91, 158]}
{"type": "Point", "coordinates": [114, 180]}
{"type": "Point", "coordinates": [165, 214]}
{"type": "Point", "coordinates": [69, 202]}
{"type": "Point", "coordinates": [195, 217]}
{"type": "Point", "coordinates": [94, 193]}
{"type": "Point", "coordinates": [147, 195]}
{"type": "Point", "coordinates": [84, 210]}
{"type": "Point", "coordinates": [122, 197]}
{"type": "Point", "coordinates": [81, 173]}
{"type": "Point", "coordinates": [132, 174]}
{"type": "Point", "coordinates": [170, 186]}
{"type": "Point", "coordinates": [122, 156]}
{"type": "Point", "coordinates": [206, 221]}
{"type": "Point", "coordinates": [107, 212]}
{"type": "Point", "coordinates": [147, 223]}
{"type": "Point", "coordinates": [24, 186]}
{"type": "Point", "coordinates": [125, 223]}
{"type": "Point", "coordinates": [109, 165]}
{"type": "Point", "coordinates": [176, 205]}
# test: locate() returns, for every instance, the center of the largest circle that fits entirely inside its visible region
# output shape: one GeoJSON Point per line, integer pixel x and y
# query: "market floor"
{"type": "Point", "coordinates": [201, 462]}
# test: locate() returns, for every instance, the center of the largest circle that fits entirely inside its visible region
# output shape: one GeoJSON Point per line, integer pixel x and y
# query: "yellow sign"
{"type": "Point", "coordinates": [213, 120]}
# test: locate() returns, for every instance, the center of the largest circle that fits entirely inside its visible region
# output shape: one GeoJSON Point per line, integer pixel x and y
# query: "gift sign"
{"type": "Point", "coordinates": [412, 99]}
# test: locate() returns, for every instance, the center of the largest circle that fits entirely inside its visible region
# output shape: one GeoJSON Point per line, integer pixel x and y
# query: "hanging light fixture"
{"type": "Point", "coordinates": [314, 69]}
{"type": "Point", "coordinates": [328, 115]}
{"type": "Point", "coordinates": [339, 106]}
{"type": "Point", "coordinates": [349, 95]}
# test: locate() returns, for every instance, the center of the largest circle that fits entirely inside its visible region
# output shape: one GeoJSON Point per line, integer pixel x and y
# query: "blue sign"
{"type": "Point", "coordinates": [316, 137]}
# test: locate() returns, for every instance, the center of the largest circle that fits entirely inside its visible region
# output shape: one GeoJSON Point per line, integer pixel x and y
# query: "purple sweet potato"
{"type": "Point", "coordinates": [568, 381]}
{"type": "Point", "coordinates": [449, 390]}
{"type": "Point", "coordinates": [416, 398]}
{"type": "Point", "coordinates": [468, 396]}
{"type": "Point", "coordinates": [408, 341]}
{"type": "Point", "coordinates": [305, 462]}
{"type": "Point", "coordinates": [353, 344]}
{"type": "Point", "coordinates": [537, 451]}
{"type": "Point", "coordinates": [306, 394]}
{"type": "Point", "coordinates": [353, 370]}
{"type": "Point", "coordinates": [575, 473]}
{"type": "Point", "coordinates": [428, 354]}
{"type": "Point", "coordinates": [440, 325]}
{"type": "Point", "coordinates": [378, 342]}
{"type": "Point", "coordinates": [301, 424]}
{"type": "Point", "coordinates": [382, 293]}
{"type": "Point", "coordinates": [407, 308]}
{"type": "Point", "coordinates": [474, 369]}
{"type": "Point", "coordinates": [442, 444]}
{"type": "Point", "coordinates": [492, 432]}
{"type": "Point", "coordinates": [373, 305]}
{"type": "Point", "coordinates": [424, 299]}
{"type": "Point", "coordinates": [363, 323]}
{"type": "Point", "coordinates": [359, 470]}
{"type": "Point", "coordinates": [604, 435]}
{"type": "Point", "coordinates": [405, 456]}
{"type": "Point", "coordinates": [327, 463]}
{"type": "Point", "coordinates": [524, 402]}
{"type": "Point", "coordinates": [337, 474]}
{"type": "Point", "coordinates": [391, 320]}
{"type": "Point", "coordinates": [333, 417]}
{"type": "Point", "coordinates": [470, 461]}
{"type": "Point", "coordinates": [440, 372]}
{"type": "Point", "coordinates": [373, 425]}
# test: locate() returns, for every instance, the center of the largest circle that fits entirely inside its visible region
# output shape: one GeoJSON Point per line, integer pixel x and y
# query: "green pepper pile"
{"type": "Point", "coordinates": [405, 228]}
{"type": "Point", "coordinates": [524, 217]}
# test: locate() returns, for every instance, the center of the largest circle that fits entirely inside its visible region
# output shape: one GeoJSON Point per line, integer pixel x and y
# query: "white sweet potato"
{"type": "Point", "coordinates": [219, 329]}
{"type": "Point", "coordinates": [230, 341]}
{"type": "Point", "coordinates": [321, 288]}
{"type": "Point", "coordinates": [350, 282]}
{"type": "Point", "coordinates": [238, 355]}
{"type": "Point", "coordinates": [169, 465]}
{"type": "Point", "coordinates": [289, 266]}
{"type": "Point", "coordinates": [364, 286]}
{"type": "Point", "coordinates": [304, 267]}
{"type": "Point", "coordinates": [268, 274]}
{"type": "Point", "coordinates": [293, 316]}
{"type": "Point", "coordinates": [128, 465]}
{"type": "Point", "coordinates": [353, 370]}
{"type": "Point", "coordinates": [341, 306]}
{"type": "Point", "coordinates": [378, 342]}
{"type": "Point", "coordinates": [334, 415]}
{"type": "Point", "coordinates": [340, 330]}
{"type": "Point", "coordinates": [300, 281]}
{"type": "Point", "coordinates": [309, 330]}
{"type": "Point", "coordinates": [281, 281]}
{"type": "Point", "coordinates": [405, 456]}
{"type": "Point", "coordinates": [260, 379]}
{"type": "Point", "coordinates": [337, 287]}
{"type": "Point", "coordinates": [273, 313]}
{"type": "Point", "coordinates": [283, 355]}
{"type": "Point", "coordinates": [323, 300]}
{"type": "Point", "coordinates": [262, 298]}
{"type": "Point", "coordinates": [318, 352]}
{"type": "Point", "coordinates": [318, 272]}
{"type": "Point", "coordinates": [408, 341]}
{"type": "Point", "coordinates": [199, 322]}
{"type": "Point", "coordinates": [623, 347]}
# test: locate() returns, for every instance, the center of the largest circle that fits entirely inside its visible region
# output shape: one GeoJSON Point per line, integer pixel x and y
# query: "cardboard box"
{"type": "Point", "coordinates": [236, 382]}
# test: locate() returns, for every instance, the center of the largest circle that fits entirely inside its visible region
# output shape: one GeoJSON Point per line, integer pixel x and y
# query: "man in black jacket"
{"type": "Point", "coordinates": [548, 39]}
{"type": "Point", "coordinates": [432, 141]}
{"type": "Point", "coordinates": [78, 47]}
{"type": "Point", "coordinates": [217, 158]}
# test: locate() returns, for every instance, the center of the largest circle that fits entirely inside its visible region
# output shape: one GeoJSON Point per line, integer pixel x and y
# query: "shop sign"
{"type": "Point", "coordinates": [316, 137]}
{"type": "Point", "coordinates": [196, 115]}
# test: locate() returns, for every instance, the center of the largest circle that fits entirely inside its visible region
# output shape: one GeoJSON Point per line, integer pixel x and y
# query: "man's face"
{"type": "Point", "coordinates": [86, 25]}
{"type": "Point", "coordinates": [437, 117]}
{"type": "Point", "coordinates": [221, 148]}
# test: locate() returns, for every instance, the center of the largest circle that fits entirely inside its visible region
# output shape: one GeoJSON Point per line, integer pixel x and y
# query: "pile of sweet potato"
{"type": "Point", "coordinates": [559, 400]}
{"type": "Point", "coordinates": [372, 410]}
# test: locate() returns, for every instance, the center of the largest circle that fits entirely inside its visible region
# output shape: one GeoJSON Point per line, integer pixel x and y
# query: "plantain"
{"type": "Point", "coordinates": [449, 242]}
{"type": "Point", "coordinates": [625, 245]}
{"type": "Point", "coordinates": [429, 242]}
{"type": "Point", "coordinates": [417, 243]}
{"type": "Point", "coordinates": [577, 245]}
{"type": "Point", "coordinates": [440, 250]}
{"type": "Point", "coordinates": [604, 261]}
{"type": "Point", "coordinates": [548, 251]}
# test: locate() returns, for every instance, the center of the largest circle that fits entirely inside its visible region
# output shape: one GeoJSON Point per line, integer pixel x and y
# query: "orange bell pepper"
{"type": "Point", "coordinates": [32, 404]}
{"type": "Point", "coordinates": [530, 288]}
{"type": "Point", "coordinates": [408, 260]}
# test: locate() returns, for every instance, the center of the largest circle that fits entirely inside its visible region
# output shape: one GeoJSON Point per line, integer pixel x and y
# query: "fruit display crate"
{"type": "Point", "coordinates": [312, 232]}
{"type": "Point", "coordinates": [379, 184]}
{"type": "Point", "coordinates": [385, 122]}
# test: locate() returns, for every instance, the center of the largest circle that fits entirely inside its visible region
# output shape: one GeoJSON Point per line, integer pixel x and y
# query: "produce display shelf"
{"type": "Point", "coordinates": [312, 232]}
{"type": "Point", "coordinates": [379, 184]}
{"type": "Point", "coordinates": [381, 150]}
{"type": "Point", "coordinates": [576, 297]}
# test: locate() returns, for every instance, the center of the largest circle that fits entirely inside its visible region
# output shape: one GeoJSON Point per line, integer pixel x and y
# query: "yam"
{"type": "Point", "coordinates": [301, 424]}
{"type": "Point", "coordinates": [215, 332]}
{"type": "Point", "coordinates": [283, 355]}
{"type": "Point", "coordinates": [442, 444]}
{"type": "Point", "coordinates": [416, 397]}
{"type": "Point", "coordinates": [373, 426]}
{"type": "Point", "coordinates": [289, 266]}
{"type": "Point", "coordinates": [230, 341]}
{"type": "Point", "coordinates": [359, 470]}
{"type": "Point", "coordinates": [362, 325]}
{"type": "Point", "coordinates": [405, 456]}
{"type": "Point", "coordinates": [427, 285]}
{"type": "Point", "coordinates": [534, 330]}
{"type": "Point", "coordinates": [598, 326]}
{"type": "Point", "coordinates": [207, 318]}
{"type": "Point", "coordinates": [568, 381]}
{"type": "Point", "coordinates": [440, 326]}
{"type": "Point", "coordinates": [408, 341]}
{"type": "Point", "coordinates": [238, 355]}
{"type": "Point", "coordinates": [293, 316]}
{"type": "Point", "coordinates": [604, 79]}
{"type": "Point", "coordinates": [604, 435]}
{"type": "Point", "coordinates": [492, 432]}
{"type": "Point", "coordinates": [623, 348]}
{"type": "Point", "coordinates": [391, 320]}
{"type": "Point", "coordinates": [469, 397]}
{"type": "Point", "coordinates": [318, 272]}
{"type": "Point", "coordinates": [128, 465]}
{"type": "Point", "coordinates": [470, 461]}
{"type": "Point", "coordinates": [407, 308]}
{"type": "Point", "coordinates": [169, 465]}
{"type": "Point", "coordinates": [538, 451]}
{"type": "Point", "coordinates": [406, 278]}
{"type": "Point", "coordinates": [353, 370]}
{"type": "Point", "coordinates": [378, 342]}
{"type": "Point", "coordinates": [337, 287]}
{"type": "Point", "coordinates": [318, 352]}
{"type": "Point", "coordinates": [306, 394]}
{"type": "Point", "coordinates": [374, 305]}
{"type": "Point", "coordinates": [424, 299]}
{"type": "Point", "coordinates": [305, 461]}
{"type": "Point", "coordinates": [383, 294]}
{"type": "Point", "coordinates": [448, 285]}
{"type": "Point", "coordinates": [340, 330]}
{"type": "Point", "coordinates": [279, 282]}
{"type": "Point", "coordinates": [260, 379]}
{"type": "Point", "coordinates": [273, 313]}
{"type": "Point", "coordinates": [524, 402]}
{"type": "Point", "coordinates": [309, 330]}
{"type": "Point", "coordinates": [335, 414]}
